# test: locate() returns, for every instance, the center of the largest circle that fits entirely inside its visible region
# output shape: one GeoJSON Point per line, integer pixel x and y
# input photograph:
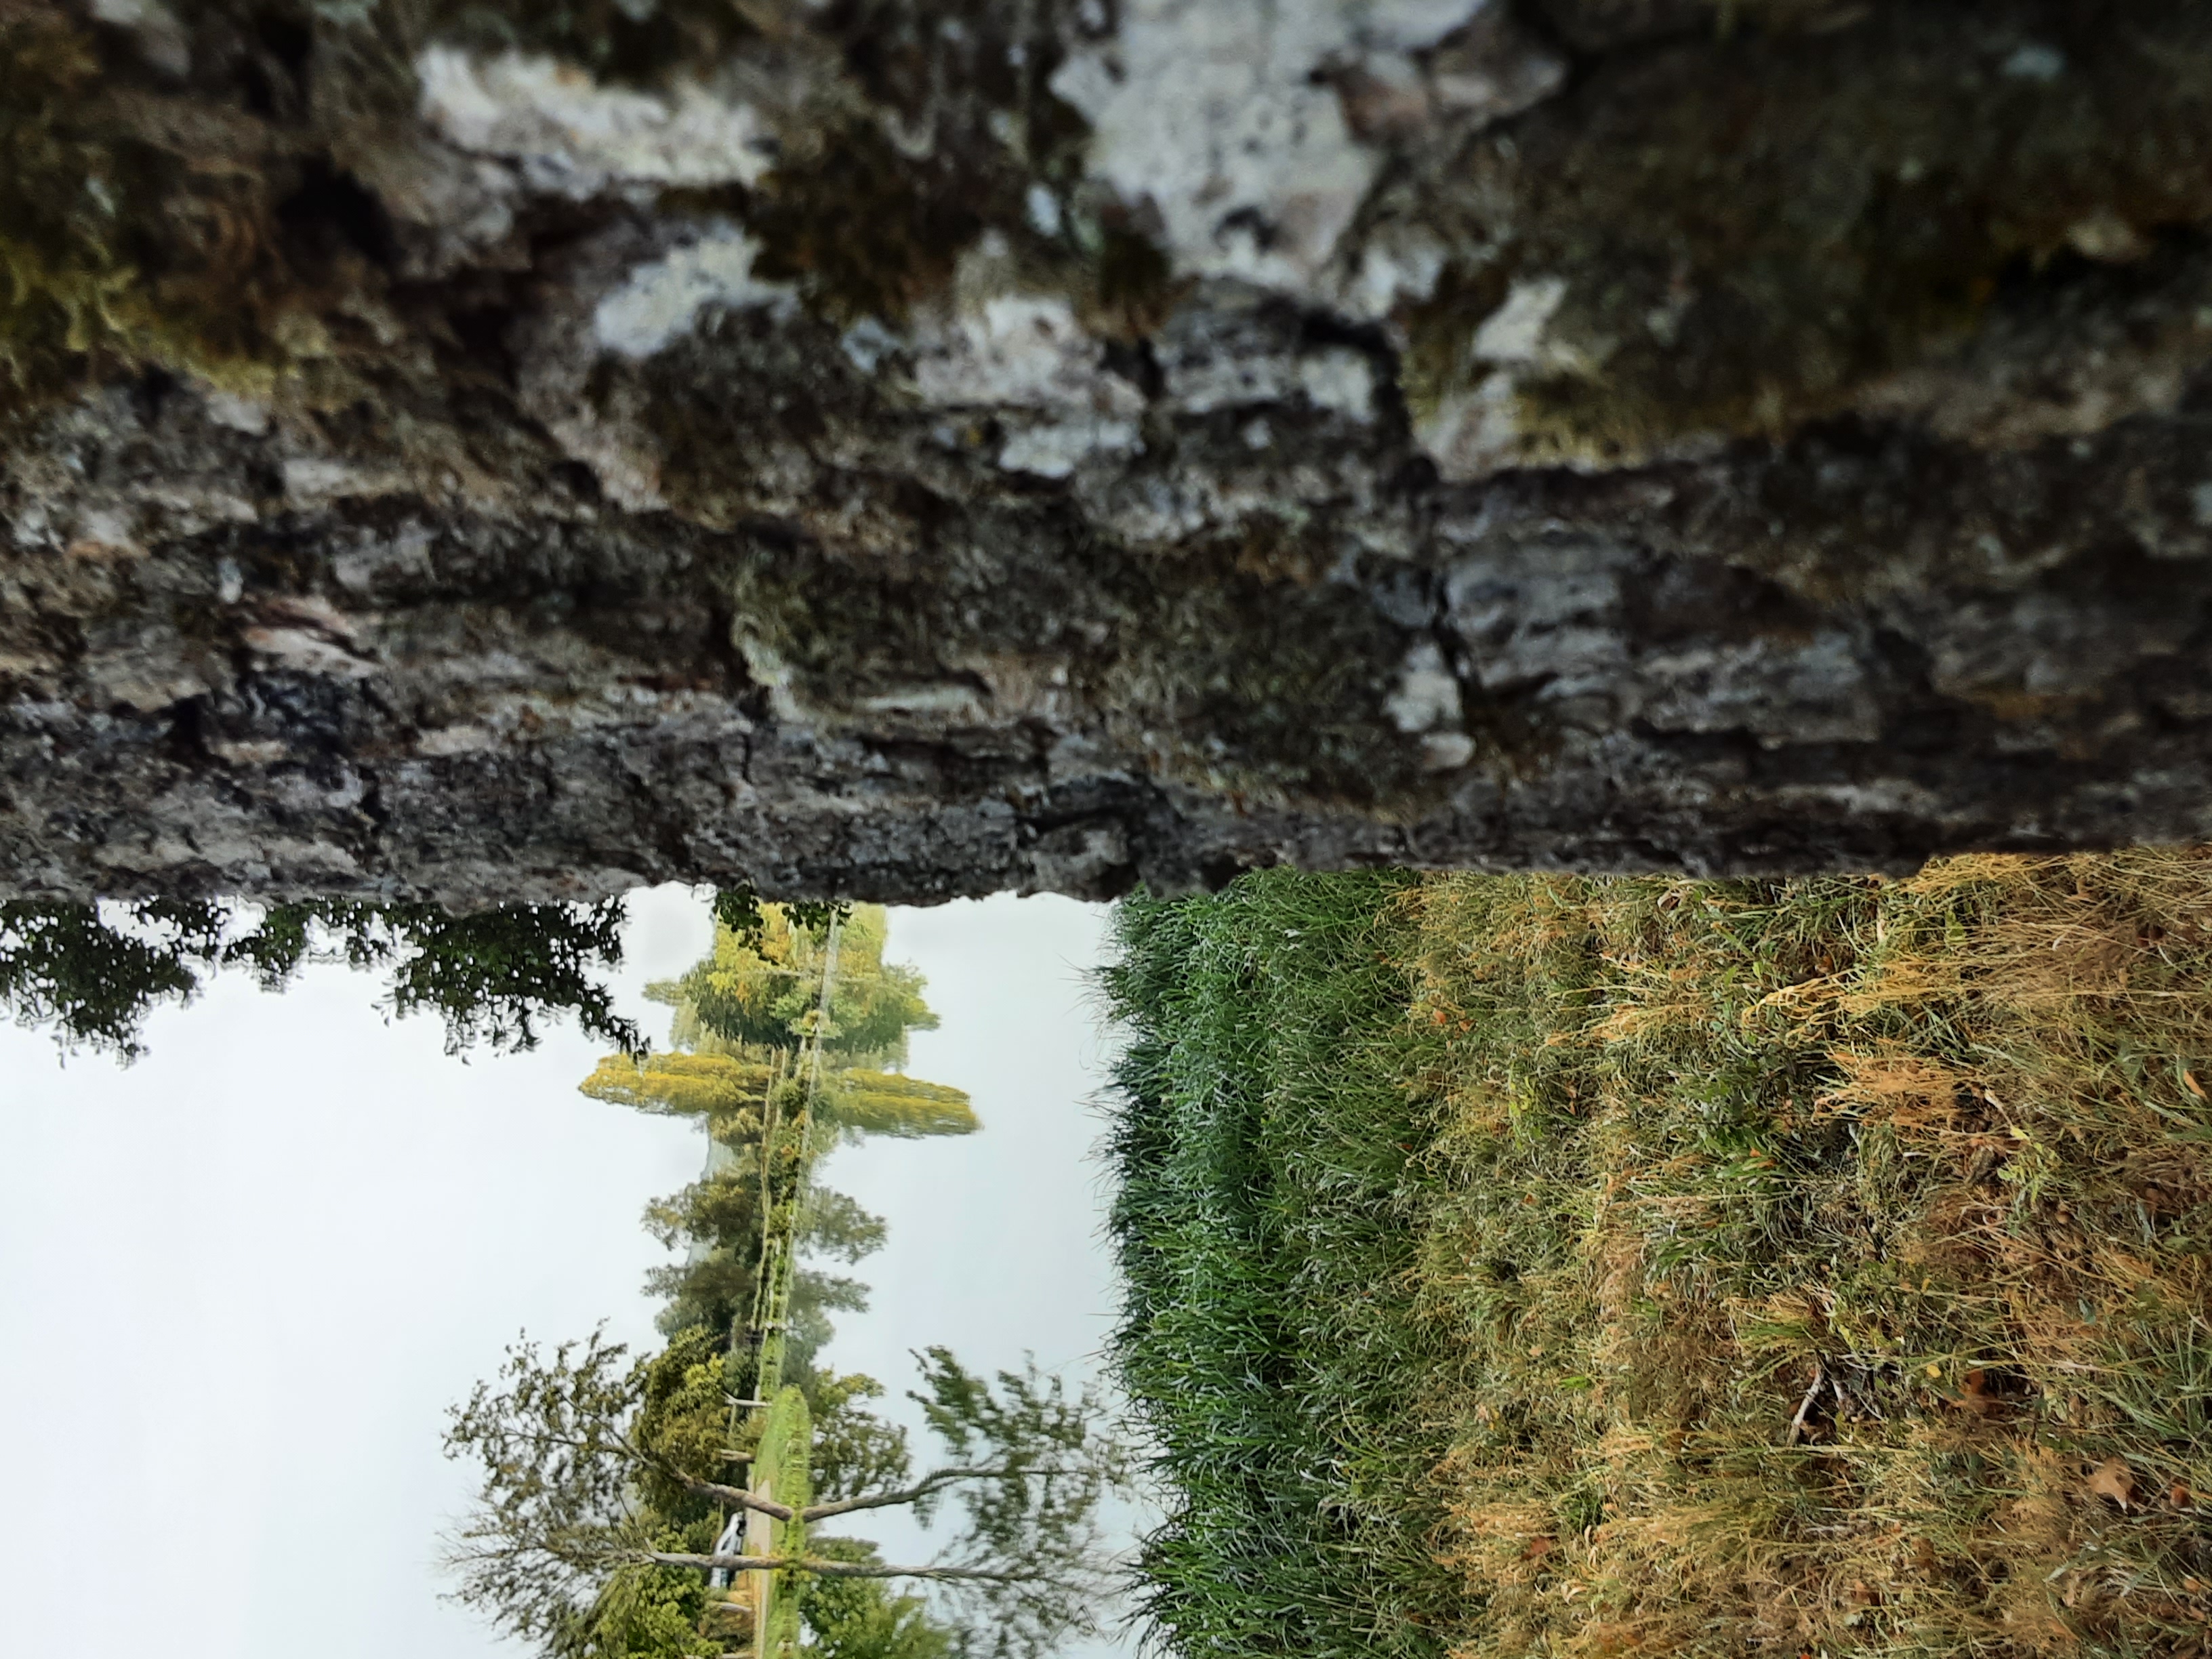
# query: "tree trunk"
{"type": "Point", "coordinates": [825, 1567]}
{"type": "Point", "coordinates": [907, 448]}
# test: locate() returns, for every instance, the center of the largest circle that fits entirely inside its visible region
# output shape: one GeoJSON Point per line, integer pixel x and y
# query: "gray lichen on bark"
{"type": "Point", "coordinates": [913, 448]}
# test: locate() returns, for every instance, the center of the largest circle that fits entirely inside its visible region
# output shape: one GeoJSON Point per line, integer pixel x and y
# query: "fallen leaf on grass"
{"type": "Point", "coordinates": [1539, 1547]}
{"type": "Point", "coordinates": [2194, 1086]}
{"type": "Point", "coordinates": [2114, 1479]}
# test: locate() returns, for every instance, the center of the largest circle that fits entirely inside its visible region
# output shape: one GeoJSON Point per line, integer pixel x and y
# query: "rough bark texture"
{"type": "Point", "coordinates": [904, 448]}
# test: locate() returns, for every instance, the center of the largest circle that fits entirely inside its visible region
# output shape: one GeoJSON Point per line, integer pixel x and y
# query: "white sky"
{"type": "Point", "coordinates": [241, 1280]}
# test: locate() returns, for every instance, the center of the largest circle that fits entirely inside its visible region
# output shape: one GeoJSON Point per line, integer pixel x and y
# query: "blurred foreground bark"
{"type": "Point", "coordinates": [906, 448]}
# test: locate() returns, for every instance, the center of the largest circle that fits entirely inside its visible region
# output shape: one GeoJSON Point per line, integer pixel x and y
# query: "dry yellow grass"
{"type": "Point", "coordinates": [1826, 1262]}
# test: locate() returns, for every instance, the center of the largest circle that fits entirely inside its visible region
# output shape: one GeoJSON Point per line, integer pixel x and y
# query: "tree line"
{"type": "Point", "coordinates": [91, 974]}
{"type": "Point", "coordinates": [684, 1501]}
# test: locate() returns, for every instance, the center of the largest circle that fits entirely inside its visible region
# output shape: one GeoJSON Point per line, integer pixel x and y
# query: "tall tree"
{"type": "Point", "coordinates": [777, 1071]}
{"type": "Point", "coordinates": [747, 1030]}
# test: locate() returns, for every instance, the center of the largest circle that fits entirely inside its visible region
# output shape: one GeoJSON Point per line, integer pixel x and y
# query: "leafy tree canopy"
{"type": "Point", "coordinates": [761, 989]}
{"type": "Point", "coordinates": [738, 909]}
{"type": "Point", "coordinates": [93, 973]}
{"type": "Point", "coordinates": [834, 1225]}
{"type": "Point", "coordinates": [865, 1618]}
{"type": "Point", "coordinates": [599, 1472]}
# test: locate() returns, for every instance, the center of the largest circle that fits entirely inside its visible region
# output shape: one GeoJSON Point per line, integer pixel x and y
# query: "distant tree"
{"type": "Point", "coordinates": [93, 975]}
{"type": "Point", "coordinates": [594, 1467]}
{"type": "Point", "coordinates": [865, 1617]}
{"type": "Point", "coordinates": [834, 1225]}
{"type": "Point", "coordinates": [760, 990]}
{"type": "Point", "coordinates": [743, 1078]}
{"type": "Point", "coordinates": [767, 1074]}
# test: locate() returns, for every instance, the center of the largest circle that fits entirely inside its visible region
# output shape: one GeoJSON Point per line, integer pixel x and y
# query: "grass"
{"type": "Point", "coordinates": [1590, 1267]}
{"type": "Point", "coordinates": [1268, 1251]}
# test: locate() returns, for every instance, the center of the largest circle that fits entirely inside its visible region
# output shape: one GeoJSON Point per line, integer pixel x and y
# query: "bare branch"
{"type": "Point", "coordinates": [738, 1498]}
{"type": "Point", "coordinates": [735, 1497]}
{"type": "Point", "coordinates": [934, 1481]}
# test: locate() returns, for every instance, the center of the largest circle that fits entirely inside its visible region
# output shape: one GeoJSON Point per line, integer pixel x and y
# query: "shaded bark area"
{"type": "Point", "coordinates": [1772, 447]}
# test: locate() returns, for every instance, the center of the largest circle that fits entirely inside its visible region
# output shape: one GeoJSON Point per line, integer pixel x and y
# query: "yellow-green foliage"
{"type": "Point", "coordinates": [716, 1086]}
{"type": "Point", "coordinates": [749, 996]}
{"type": "Point", "coordinates": [746, 999]}
{"type": "Point", "coordinates": [1826, 1261]}
{"type": "Point", "coordinates": [886, 1104]}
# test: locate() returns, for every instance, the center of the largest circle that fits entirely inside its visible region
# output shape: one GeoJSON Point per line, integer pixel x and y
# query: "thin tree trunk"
{"type": "Point", "coordinates": [825, 1568]}
{"type": "Point", "coordinates": [932, 1482]}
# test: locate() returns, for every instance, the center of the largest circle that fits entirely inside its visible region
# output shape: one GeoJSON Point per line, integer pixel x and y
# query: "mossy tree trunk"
{"type": "Point", "coordinates": [905, 448]}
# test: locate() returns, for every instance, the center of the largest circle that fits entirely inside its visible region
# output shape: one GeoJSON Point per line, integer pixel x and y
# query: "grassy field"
{"type": "Point", "coordinates": [1550, 1266]}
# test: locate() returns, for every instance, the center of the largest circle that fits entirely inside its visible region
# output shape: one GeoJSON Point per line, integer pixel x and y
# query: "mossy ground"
{"type": "Point", "coordinates": [1658, 1267]}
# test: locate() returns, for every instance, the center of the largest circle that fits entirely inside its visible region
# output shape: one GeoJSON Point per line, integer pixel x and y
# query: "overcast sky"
{"type": "Point", "coordinates": [241, 1279]}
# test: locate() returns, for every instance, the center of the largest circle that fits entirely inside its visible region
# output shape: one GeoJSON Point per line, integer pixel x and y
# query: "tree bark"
{"type": "Point", "coordinates": [735, 1497]}
{"type": "Point", "coordinates": [902, 449]}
